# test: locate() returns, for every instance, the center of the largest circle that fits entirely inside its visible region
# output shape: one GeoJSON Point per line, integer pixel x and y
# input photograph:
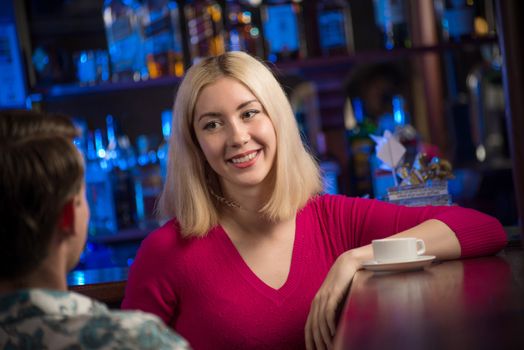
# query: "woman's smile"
{"type": "Point", "coordinates": [245, 160]}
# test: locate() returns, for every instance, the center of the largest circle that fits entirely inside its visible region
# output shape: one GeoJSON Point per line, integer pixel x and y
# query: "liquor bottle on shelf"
{"type": "Point", "coordinates": [125, 40]}
{"type": "Point", "coordinates": [243, 28]}
{"type": "Point", "coordinates": [456, 18]}
{"type": "Point", "coordinates": [391, 17]}
{"type": "Point", "coordinates": [205, 28]}
{"type": "Point", "coordinates": [148, 182]}
{"type": "Point", "coordinates": [99, 190]}
{"type": "Point", "coordinates": [283, 32]}
{"type": "Point", "coordinates": [122, 162]}
{"type": "Point", "coordinates": [162, 38]}
{"type": "Point", "coordinates": [163, 149]}
{"type": "Point", "coordinates": [485, 18]}
{"type": "Point", "coordinates": [358, 129]}
{"type": "Point", "coordinates": [397, 123]}
{"type": "Point", "coordinates": [335, 27]}
{"type": "Point", "coordinates": [487, 122]}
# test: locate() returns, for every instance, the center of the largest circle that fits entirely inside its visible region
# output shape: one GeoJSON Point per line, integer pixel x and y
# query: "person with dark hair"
{"type": "Point", "coordinates": [254, 255]}
{"type": "Point", "coordinates": [43, 228]}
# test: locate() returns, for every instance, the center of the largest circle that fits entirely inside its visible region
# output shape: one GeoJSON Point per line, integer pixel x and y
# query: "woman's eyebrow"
{"type": "Point", "coordinates": [216, 114]}
{"type": "Point", "coordinates": [244, 104]}
{"type": "Point", "coordinates": [208, 114]}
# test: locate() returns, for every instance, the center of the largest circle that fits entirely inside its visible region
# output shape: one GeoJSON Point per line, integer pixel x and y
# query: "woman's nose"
{"type": "Point", "coordinates": [239, 135]}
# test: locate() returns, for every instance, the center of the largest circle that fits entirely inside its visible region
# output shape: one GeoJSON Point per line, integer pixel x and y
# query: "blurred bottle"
{"type": "Point", "coordinates": [361, 147]}
{"type": "Point", "coordinates": [99, 190]}
{"type": "Point", "coordinates": [81, 141]}
{"type": "Point", "coordinates": [485, 18]}
{"type": "Point", "coordinates": [205, 28]}
{"type": "Point", "coordinates": [329, 166]}
{"type": "Point", "coordinates": [283, 32]}
{"type": "Point", "coordinates": [163, 39]}
{"type": "Point", "coordinates": [394, 118]}
{"type": "Point", "coordinates": [397, 123]}
{"type": "Point", "coordinates": [124, 39]}
{"type": "Point", "coordinates": [85, 62]}
{"type": "Point", "coordinates": [487, 110]}
{"type": "Point", "coordinates": [243, 28]}
{"type": "Point", "coordinates": [102, 66]}
{"type": "Point", "coordinates": [335, 27]}
{"type": "Point", "coordinates": [53, 64]}
{"type": "Point", "coordinates": [148, 182]}
{"type": "Point", "coordinates": [391, 18]}
{"type": "Point", "coordinates": [406, 133]}
{"type": "Point", "coordinates": [122, 160]}
{"type": "Point", "coordinates": [456, 18]}
{"type": "Point", "coordinates": [163, 149]}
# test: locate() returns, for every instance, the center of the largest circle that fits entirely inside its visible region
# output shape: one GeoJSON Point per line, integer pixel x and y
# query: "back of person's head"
{"type": "Point", "coordinates": [295, 173]}
{"type": "Point", "coordinates": [40, 170]}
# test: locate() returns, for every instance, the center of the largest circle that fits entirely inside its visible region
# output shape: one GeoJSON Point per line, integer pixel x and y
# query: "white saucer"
{"type": "Point", "coordinates": [418, 263]}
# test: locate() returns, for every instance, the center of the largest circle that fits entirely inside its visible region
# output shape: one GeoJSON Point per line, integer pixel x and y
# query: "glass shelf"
{"type": "Point", "coordinates": [61, 91]}
{"type": "Point", "coordinates": [383, 54]}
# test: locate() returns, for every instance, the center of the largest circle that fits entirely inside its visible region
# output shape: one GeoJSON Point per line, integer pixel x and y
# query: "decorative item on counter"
{"type": "Point", "coordinates": [390, 151]}
{"type": "Point", "coordinates": [425, 183]}
{"type": "Point", "coordinates": [425, 169]}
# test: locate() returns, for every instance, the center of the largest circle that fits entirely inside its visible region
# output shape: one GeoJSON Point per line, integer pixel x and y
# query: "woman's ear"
{"type": "Point", "coordinates": [66, 221]}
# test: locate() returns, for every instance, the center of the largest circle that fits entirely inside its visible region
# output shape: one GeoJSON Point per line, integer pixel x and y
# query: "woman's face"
{"type": "Point", "coordinates": [235, 134]}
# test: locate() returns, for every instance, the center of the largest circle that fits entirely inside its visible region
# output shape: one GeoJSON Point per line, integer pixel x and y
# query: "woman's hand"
{"type": "Point", "coordinates": [320, 325]}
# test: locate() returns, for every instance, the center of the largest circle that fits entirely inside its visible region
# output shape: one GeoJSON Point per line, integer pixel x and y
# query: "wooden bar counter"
{"type": "Point", "coordinates": [106, 285]}
{"type": "Point", "coordinates": [463, 304]}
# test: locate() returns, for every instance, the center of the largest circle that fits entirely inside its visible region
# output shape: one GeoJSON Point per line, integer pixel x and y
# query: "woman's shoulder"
{"type": "Point", "coordinates": [164, 237]}
{"type": "Point", "coordinates": [168, 239]}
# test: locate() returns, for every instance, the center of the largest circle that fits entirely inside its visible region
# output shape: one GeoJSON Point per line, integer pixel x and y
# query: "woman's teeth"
{"type": "Point", "coordinates": [243, 159]}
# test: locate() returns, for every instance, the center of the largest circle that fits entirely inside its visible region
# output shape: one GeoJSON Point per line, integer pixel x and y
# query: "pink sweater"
{"type": "Point", "coordinates": [205, 291]}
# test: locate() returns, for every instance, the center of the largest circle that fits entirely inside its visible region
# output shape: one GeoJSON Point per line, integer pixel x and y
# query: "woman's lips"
{"type": "Point", "coordinates": [245, 160]}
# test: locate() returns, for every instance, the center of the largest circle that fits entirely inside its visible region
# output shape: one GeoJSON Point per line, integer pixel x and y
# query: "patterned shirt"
{"type": "Point", "coordinates": [48, 319]}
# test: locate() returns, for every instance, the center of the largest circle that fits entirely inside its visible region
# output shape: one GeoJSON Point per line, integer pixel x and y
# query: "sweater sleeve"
{"type": "Point", "coordinates": [149, 286]}
{"type": "Point", "coordinates": [362, 220]}
{"type": "Point", "coordinates": [478, 233]}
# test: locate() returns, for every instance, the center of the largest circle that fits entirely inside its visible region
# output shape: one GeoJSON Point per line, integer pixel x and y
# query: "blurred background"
{"type": "Point", "coordinates": [429, 71]}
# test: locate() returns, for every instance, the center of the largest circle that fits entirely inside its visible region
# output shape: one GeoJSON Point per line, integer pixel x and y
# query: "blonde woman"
{"type": "Point", "coordinates": [254, 256]}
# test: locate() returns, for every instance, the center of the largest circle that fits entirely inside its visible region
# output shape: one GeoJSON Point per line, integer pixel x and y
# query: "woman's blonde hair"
{"type": "Point", "coordinates": [186, 193]}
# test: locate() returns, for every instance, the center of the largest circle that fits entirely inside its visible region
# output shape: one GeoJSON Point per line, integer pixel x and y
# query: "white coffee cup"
{"type": "Point", "coordinates": [397, 249]}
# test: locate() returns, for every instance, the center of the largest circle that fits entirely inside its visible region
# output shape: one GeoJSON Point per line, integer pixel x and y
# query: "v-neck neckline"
{"type": "Point", "coordinates": [277, 295]}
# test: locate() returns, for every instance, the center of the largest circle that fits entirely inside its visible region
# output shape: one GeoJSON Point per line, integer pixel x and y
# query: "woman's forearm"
{"type": "Point", "coordinates": [439, 240]}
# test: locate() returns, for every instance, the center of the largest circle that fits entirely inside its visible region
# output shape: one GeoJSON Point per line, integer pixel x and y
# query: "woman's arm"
{"type": "Point", "coordinates": [448, 233]}
{"type": "Point", "coordinates": [320, 327]}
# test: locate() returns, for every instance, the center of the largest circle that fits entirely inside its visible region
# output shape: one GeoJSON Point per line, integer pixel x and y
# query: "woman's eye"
{"type": "Point", "coordinates": [249, 114]}
{"type": "Point", "coordinates": [211, 125]}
